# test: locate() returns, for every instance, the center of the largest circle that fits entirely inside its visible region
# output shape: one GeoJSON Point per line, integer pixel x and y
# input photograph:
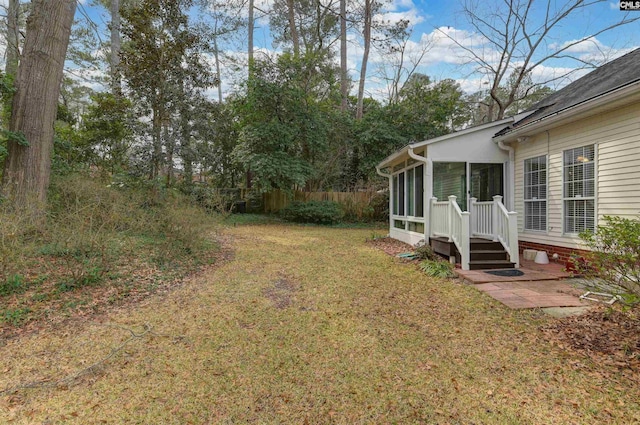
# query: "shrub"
{"type": "Point", "coordinates": [319, 212]}
{"type": "Point", "coordinates": [437, 268]}
{"type": "Point", "coordinates": [423, 251]}
{"type": "Point", "coordinates": [615, 253]}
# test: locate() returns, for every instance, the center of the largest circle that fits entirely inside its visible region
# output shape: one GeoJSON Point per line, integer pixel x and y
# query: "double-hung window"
{"type": "Point", "coordinates": [579, 189]}
{"type": "Point", "coordinates": [535, 193]}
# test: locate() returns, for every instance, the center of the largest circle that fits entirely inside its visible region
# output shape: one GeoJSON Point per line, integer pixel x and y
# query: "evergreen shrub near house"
{"type": "Point", "coordinates": [318, 212]}
{"type": "Point", "coordinates": [437, 268]}
{"type": "Point", "coordinates": [615, 253]}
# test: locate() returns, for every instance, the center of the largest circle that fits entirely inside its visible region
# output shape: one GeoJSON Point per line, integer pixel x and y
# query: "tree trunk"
{"type": "Point", "coordinates": [217, 58]}
{"type": "Point", "coordinates": [344, 83]}
{"type": "Point", "coordinates": [250, 42]}
{"type": "Point", "coordinates": [27, 169]}
{"type": "Point", "coordinates": [250, 38]}
{"type": "Point", "coordinates": [186, 146]}
{"type": "Point", "coordinates": [365, 57]}
{"type": "Point", "coordinates": [115, 48]}
{"type": "Point", "coordinates": [293, 29]}
{"type": "Point", "coordinates": [13, 37]}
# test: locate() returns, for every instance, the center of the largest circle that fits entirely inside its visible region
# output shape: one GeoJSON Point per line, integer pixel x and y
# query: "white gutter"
{"type": "Point", "coordinates": [548, 120]}
{"type": "Point", "coordinates": [512, 174]}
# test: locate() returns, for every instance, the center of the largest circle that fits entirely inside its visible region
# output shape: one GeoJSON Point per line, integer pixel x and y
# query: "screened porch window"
{"type": "Point", "coordinates": [450, 178]}
{"type": "Point", "coordinates": [579, 189]}
{"type": "Point", "coordinates": [535, 193]}
{"type": "Point", "coordinates": [408, 194]}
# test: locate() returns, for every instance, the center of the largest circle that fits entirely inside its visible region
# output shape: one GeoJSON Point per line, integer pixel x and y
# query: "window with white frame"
{"type": "Point", "coordinates": [535, 193]}
{"type": "Point", "coordinates": [579, 189]}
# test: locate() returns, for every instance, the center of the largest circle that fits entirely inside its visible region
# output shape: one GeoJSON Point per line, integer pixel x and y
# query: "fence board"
{"type": "Point", "coordinates": [356, 203]}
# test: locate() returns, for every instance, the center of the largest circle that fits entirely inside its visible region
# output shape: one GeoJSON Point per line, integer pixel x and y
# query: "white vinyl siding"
{"type": "Point", "coordinates": [579, 189]}
{"type": "Point", "coordinates": [535, 193]}
{"type": "Point", "coordinates": [616, 133]}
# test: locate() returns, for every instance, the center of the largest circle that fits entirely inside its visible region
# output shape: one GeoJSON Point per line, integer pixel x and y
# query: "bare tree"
{"type": "Point", "coordinates": [115, 47]}
{"type": "Point", "coordinates": [366, 33]}
{"type": "Point", "coordinates": [293, 29]}
{"type": "Point", "coordinates": [27, 167]}
{"type": "Point", "coordinates": [13, 37]}
{"type": "Point", "coordinates": [517, 42]}
{"type": "Point", "coordinates": [344, 82]}
{"type": "Point", "coordinates": [403, 57]}
{"type": "Point", "coordinates": [251, 24]}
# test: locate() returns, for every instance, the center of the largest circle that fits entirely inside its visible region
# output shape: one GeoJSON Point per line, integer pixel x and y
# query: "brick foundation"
{"type": "Point", "coordinates": [564, 254]}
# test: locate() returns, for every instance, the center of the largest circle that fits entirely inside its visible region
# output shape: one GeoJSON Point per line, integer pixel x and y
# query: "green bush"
{"type": "Point", "coordinates": [615, 253]}
{"type": "Point", "coordinates": [437, 268]}
{"type": "Point", "coordinates": [319, 212]}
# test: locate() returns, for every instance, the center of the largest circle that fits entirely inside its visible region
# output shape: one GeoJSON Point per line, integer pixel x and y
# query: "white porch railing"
{"type": "Point", "coordinates": [450, 221]}
{"type": "Point", "coordinates": [489, 220]}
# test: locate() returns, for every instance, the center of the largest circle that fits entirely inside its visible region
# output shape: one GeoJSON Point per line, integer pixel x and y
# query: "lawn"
{"type": "Point", "coordinates": [309, 325]}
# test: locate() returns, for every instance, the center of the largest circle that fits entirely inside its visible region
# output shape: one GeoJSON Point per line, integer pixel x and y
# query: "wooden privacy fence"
{"type": "Point", "coordinates": [354, 204]}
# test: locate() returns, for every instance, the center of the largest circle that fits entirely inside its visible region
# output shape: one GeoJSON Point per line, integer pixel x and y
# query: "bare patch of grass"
{"type": "Point", "coordinates": [364, 339]}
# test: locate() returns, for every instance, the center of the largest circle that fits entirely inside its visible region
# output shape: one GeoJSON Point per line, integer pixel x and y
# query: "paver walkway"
{"type": "Point", "coordinates": [540, 286]}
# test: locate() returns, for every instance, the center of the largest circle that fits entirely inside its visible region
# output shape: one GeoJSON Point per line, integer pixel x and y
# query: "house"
{"type": "Point", "coordinates": [531, 181]}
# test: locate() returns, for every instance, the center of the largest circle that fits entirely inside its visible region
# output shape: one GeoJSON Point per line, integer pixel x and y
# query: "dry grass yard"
{"type": "Point", "coordinates": [309, 325]}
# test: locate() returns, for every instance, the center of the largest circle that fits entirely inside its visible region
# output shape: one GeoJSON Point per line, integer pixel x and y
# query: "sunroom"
{"type": "Point", "coordinates": [455, 192]}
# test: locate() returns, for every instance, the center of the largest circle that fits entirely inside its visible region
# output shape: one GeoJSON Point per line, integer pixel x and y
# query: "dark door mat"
{"type": "Point", "coordinates": [506, 273]}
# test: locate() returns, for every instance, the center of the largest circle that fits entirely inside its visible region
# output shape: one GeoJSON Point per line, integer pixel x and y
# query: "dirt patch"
{"type": "Point", "coordinates": [390, 246]}
{"type": "Point", "coordinates": [281, 293]}
{"type": "Point", "coordinates": [609, 337]}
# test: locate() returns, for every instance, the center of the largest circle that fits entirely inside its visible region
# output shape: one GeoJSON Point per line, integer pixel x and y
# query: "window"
{"type": "Point", "coordinates": [401, 194]}
{"type": "Point", "coordinates": [395, 195]}
{"type": "Point", "coordinates": [450, 178]}
{"type": "Point", "coordinates": [535, 193]}
{"type": "Point", "coordinates": [411, 195]}
{"type": "Point", "coordinates": [579, 189]}
{"type": "Point", "coordinates": [419, 173]}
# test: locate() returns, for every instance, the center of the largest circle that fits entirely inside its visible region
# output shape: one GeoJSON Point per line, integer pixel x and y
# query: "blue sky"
{"type": "Point", "coordinates": [431, 20]}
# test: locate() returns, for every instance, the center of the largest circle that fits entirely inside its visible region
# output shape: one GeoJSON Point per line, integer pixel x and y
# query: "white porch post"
{"type": "Point", "coordinates": [465, 242]}
{"type": "Point", "coordinates": [473, 217]}
{"type": "Point", "coordinates": [450, 212]}
{"type": "Point", "coordinates": [428, 185]}
{"type": "Point", "coordinates": [513, 238]}
{"type": "Point", "coordinates": [495, 216]}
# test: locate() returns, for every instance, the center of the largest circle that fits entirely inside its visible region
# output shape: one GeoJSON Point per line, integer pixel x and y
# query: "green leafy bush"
{"type": "Point", "coordinates": [615, 253]}
{"type": "Point", "coordinates": [319, 212]}
{"type": "Point", "coordinates": [437, 268]}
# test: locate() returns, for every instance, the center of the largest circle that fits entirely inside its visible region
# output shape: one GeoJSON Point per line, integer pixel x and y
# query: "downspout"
{"type": "Point", "coordinates": [426, 198]}
{"type": "Point", "coordinates": [390, 177]}
{"type": "Point", "coordinates": [512, 174]}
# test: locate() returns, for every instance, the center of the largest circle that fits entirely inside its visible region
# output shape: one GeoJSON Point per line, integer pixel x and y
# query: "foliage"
{"type": "Point", "coordinates": [283, 127]}
{"type": "Point", "coordinates": [615, 253]}
{"type": "Point", "coordinates": [107, 132]}
{"type": "Point", "coordinates": [13, 284]}
{"type": "Point", "coordinates": [95, 236]}
{"type": "Point", "coordinates": [424, 251]}
{"type": "Point", "coordinates": [437, 268]}
{"type": "Point", "coordinates": [319, 212]}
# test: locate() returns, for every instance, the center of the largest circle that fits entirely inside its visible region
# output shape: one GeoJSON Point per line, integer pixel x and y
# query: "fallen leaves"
{"type": "Point", "coordinates": [611, 338]}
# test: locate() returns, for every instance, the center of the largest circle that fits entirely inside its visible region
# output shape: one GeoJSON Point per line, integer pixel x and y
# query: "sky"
{"type": "Point", "coordinates": [436, 24]}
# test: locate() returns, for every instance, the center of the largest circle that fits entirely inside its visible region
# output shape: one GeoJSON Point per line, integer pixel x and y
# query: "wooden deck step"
{"type": "Point", "coordinates": [490, 264]}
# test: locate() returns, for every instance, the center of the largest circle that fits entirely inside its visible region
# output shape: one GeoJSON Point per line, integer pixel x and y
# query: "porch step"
{"type": "Point", "coordinates": [484, 244]}
{"type": "Point", "coordinates": [490, 264]}
{"type": "Point", "coordinates": [488, 255]}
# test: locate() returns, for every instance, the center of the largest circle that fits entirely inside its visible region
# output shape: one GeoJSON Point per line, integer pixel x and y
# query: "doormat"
{"type": "Point", "coordinates": [506, 273]}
